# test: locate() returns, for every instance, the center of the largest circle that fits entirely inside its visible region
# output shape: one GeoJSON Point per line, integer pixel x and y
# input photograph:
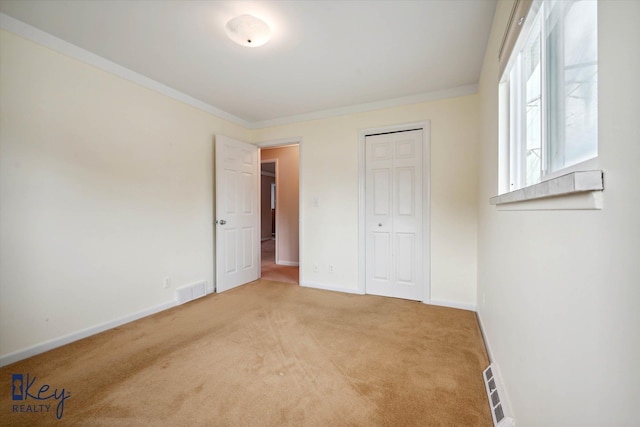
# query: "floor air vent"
{"type": "Point", "coordinates": [191, 292]}
{"type": "Point", "coordinates": [495, 402]}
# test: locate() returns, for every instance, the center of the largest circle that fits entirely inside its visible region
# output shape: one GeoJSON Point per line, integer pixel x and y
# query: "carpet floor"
{"type": "Point", "coordinates": [265, 354]}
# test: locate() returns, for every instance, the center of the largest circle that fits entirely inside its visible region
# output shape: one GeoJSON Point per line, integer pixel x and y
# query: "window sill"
{"type": "Point", "coordinates": [575, 190]}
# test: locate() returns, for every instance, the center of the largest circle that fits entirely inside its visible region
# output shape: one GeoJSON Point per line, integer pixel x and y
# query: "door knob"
{"type": "Point", "coordinates": [379, 224]}
{"type": "Point", "coordinates": [222, 222]}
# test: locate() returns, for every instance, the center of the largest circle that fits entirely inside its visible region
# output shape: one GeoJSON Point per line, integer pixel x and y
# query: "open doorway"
{"type": "Point", "coordinates": [279, 213]}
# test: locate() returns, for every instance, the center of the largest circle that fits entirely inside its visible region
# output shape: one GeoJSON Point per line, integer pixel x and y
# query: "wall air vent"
{"type": "Point", "coordinates": [494, 394]}
{"type": "Point", "coordinates": [191, 292]}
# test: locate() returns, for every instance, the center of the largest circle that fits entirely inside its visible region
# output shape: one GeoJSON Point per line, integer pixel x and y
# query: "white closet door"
{"type": "Point", "coordinates": [394, 215]}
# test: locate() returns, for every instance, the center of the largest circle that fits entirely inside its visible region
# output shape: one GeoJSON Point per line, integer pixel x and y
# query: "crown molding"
{"type": "Point", "coordinates": [52, 42]}
{"type": "Point", "coordinates": [45, 39]}
{"type": "Point", "coordinates": [370, 106]}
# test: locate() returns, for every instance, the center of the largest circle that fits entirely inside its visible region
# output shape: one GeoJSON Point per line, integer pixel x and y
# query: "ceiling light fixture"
{"type": "Point", "coordinates": [247, 30]}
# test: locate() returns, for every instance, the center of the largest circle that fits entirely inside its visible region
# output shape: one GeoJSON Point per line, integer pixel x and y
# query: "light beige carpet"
{"type": "Point", "coordinates": [268, 354]}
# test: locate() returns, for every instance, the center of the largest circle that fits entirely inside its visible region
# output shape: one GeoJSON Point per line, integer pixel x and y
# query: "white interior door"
{"type": "Point", "coordinates": [237, 213]}
{"type": "Point", "coordinates": [394, 215]}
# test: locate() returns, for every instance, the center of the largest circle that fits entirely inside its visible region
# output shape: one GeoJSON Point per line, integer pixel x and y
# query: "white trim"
{"type": "Point", "coordinates": [52, 42]}
{"type": "Point", "coordinates": [426, 189]}
{"type": "Point", "coordinates": [83, 333]}
{"type": "Point", "coordinates": [586, 200]}
{"type": "Point", "coordinates": [426, 209]}
{"type": "Point", "coordinates": [330, 288]}
{"type": "Point", "coordinates": [301, 211]}
{"type": "Point", "coordinates": [453, 304]}
{"type": "Point", "coordinates": [492, 360]}
{"type": "Point", "coordinates": [275, 175]}
{"type": "Point", "coordinates": [288, 263]}
{"type": "Point", "coordinates": [588, 165]}
{"type": "Point", "coordinates": [571, 183]}
{"type": "Point", "coordinates": [485, 337]}
{"type": "Point", "coordinates": [278, 213]}
{"type": "Point", "coordinates": [283, 142]}
{"type": "Point", "coordinates": [369, 106]}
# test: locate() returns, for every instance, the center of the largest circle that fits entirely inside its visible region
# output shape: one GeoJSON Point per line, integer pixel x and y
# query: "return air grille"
{"type": "Point", "coordinates": [491, 382]}
{"type": "Point", "coordinates": [191, 292]}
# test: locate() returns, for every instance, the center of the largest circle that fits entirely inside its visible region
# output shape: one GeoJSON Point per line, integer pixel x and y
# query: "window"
{"type": "Point", "coordinates": [548, 90]}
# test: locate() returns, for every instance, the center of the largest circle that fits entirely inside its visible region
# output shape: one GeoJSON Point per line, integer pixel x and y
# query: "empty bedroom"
{"type": "Point", "coordinates": [318, 213]}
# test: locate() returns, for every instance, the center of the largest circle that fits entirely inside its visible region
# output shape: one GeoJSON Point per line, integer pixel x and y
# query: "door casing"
{"type": "Point", "coordinates": [283, 143]}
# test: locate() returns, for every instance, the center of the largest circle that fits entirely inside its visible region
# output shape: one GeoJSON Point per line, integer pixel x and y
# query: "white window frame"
{"type": "Point", "coordinates": [561, 182]}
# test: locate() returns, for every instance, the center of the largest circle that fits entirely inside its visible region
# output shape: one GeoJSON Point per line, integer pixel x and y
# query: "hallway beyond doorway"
{"type": "Point", "coordinates": [272, 271]}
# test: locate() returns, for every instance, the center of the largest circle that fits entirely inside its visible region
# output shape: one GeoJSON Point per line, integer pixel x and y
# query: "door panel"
{"type": "Point", "coordinates": [381, 254]}
{"type": "Point", "coordinates": [248, 192]}
{"type": "Point", "coordinates": [405, 191]}
{"type": "Point", "coordinates": [405, 149]}
{"type": "Point", "coordinates": [248, 244]}
{"type": "Point", "coordinates": [237, 213]}
{"type": "Point", "coordinates": [381, 192]}
{"type": "Point", "coordinates": [405, 250]}
{"type": "Point", "coordinates": [231, 265]}
{"type": "Point", "coordinates": [394, 215]}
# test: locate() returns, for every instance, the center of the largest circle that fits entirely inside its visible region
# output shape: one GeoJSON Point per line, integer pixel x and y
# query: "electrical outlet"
{"type": "Point", "coordinates": [315, 268]}
{"type": "Point", "coordinates": [332, 269]}
{"type": "Point", "coordinates": [167, 282]}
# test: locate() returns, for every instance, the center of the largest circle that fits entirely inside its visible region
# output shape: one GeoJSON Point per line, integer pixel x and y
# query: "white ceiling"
{"type": "Point", "coordinates": [323, 55]}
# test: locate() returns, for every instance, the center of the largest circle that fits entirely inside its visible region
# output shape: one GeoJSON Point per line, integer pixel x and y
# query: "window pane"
{"type": "Point", "coordinates": [572, 82]}
{"type": "Point", "coordinates": [533, 142]}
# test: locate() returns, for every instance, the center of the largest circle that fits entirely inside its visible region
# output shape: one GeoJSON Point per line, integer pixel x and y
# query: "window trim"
{"type": "Point", "coordinates": [564, 185]}
{"type": "Point", "coordinates": [518, 16]}
{"type": "Point", "coordinates": [580, 185]}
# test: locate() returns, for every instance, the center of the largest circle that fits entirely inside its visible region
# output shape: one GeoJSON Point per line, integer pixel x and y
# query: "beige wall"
{"type": "Point", "coordinates": [559, 290]}
{"type": "Point", "coordinates": [105, 189]}
{"type": "Point", "coordinates": [329, 174]}
{"type": "Point", "coordinates": [287, 200]}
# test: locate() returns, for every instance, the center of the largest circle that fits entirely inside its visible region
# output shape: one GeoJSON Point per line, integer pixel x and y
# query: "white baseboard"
{"type": "Point", "coordinates": [503, 389]}
{"type": "Point", "coordinates": [330, 288]}
{"type": "Point", "coordinates": [84, 333]}
{"type": "Point", "coordinates": [288, 263]}
{"type": "Point", "coordinates": [452, 304]}
{"type": "Point", "coordinates": [485, 338]}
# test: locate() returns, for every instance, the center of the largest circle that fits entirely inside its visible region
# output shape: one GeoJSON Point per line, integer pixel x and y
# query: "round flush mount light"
{"type": "Point", "coordinates": [247, 30]}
